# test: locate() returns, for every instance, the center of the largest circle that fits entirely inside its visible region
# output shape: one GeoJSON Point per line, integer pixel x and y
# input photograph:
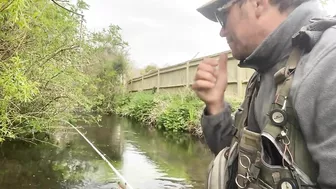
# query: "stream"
{"type": "Point", "coordinates": [147, 159]}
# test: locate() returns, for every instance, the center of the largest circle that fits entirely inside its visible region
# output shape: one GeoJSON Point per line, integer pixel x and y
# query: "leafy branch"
{"type": "Point", "coordinates": [6, 5]}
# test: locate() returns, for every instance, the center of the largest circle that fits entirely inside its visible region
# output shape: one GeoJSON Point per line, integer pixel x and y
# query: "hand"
{"type": "Point", "coordinates": [210, 83]}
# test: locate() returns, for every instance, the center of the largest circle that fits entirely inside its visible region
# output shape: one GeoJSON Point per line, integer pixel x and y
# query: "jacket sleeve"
{"type": "Point", "coordinates": [218, 129]}
{"type": "Point", "coordinates": [315, 104]}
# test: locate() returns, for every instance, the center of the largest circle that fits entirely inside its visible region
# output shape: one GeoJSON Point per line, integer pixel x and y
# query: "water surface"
{"type": "Point", "coordinates": [148, 159]}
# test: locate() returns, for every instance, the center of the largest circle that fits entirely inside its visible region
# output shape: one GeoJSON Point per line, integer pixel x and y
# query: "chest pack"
{"type": "Point", "coordinates": [276, 158]}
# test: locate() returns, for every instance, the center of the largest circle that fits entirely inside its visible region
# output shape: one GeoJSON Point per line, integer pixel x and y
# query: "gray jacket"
{"type": "Point", "coordinates": [313, 92]}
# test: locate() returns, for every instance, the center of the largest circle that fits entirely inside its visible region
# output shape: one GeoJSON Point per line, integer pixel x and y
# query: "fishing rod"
{"type": "Point", "coordinates": [127, 185]}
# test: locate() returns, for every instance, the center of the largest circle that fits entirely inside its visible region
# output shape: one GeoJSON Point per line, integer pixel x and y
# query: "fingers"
{"type": "Point", "coordinates": [202, 85]}
{"type": "Point", "coordinates": [210, 82]}
{"type": "Point", "coordinates": [210, 61]}
{"type": "Point", "coordinates": [208, 67]}
{"type": "Point", "coordinates": [205, 75]}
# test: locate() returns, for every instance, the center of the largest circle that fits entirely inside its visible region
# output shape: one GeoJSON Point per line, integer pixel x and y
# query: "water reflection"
{"type": "Point", "coordinates": [22, 168]}
{"type": "Point", "coordinates": [146, 158]}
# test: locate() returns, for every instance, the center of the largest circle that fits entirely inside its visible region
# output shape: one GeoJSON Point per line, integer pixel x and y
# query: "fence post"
{"type": "Point", "coordinates": [187, 69]}
{"type": "Point", "coordinates": [130, 88]}
{"type": "Point", "coordinates": [187, 72]}
{"type": "Point", "coordinates": [142, 83]}
{"type": "Point", "coordinates": [158, 80]}
{"type": "Point", "coordinates": [239, 82]}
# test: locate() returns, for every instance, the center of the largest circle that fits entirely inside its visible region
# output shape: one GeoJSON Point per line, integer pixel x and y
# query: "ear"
{"type": "Point", "coordinates": [260, 7]}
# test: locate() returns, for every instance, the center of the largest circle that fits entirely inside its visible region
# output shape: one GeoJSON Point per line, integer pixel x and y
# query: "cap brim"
{"type": "Point", "coordinates": [208, 10]}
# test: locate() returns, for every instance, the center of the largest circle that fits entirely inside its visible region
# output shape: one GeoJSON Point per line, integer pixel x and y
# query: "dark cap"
{"type": "Point", "coordinates": [208, 10]}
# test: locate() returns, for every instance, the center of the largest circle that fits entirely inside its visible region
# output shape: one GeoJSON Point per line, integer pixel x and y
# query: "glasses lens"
{"type": "Point", "coordinates": [220, 16]}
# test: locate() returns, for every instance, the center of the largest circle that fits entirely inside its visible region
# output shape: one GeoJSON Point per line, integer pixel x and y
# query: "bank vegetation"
{"type": "Point", "coordinates": [53, 69]}
{"type": "Point", "coordinates": [176, 112]}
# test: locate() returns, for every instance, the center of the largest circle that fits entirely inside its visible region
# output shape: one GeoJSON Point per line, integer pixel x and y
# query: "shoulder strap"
{"type": "Point", "coordinates": [286, 72]}
{"type": "Point", "coordinates": [283, 81]}
{"type": "Point", "coordinates": [251, 86]}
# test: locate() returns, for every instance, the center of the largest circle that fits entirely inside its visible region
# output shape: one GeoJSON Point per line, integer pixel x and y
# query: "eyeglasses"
{"type": "Point", "coordinates": [222, 12]}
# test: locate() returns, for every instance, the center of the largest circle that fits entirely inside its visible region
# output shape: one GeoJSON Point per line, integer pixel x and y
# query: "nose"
{"type": "Point", "coordinates": [223, 32]}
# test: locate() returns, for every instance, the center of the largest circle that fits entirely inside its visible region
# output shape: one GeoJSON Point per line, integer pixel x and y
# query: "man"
{"type": "Point", "coordinates": [261, 35]}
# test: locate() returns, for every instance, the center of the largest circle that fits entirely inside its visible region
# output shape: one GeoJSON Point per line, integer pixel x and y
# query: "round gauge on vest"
{"type": "Point", "coordinates": [278, 117]}
{"type": "Point", "coordinates": [287, 184]}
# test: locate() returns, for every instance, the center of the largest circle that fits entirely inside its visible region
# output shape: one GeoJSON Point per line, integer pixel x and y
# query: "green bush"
{"type": "Point", "coordinates": [177, 112]}
{"type": "Point", "coordinates": [137, 106]}
{"type": "Point", "coordinates": [181, 114]}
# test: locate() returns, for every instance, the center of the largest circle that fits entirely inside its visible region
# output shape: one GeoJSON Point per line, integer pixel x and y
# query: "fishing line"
{"type": "Point", "coordinates": [87, 140]}
{"type": "Point", "coordinates": [104, 158]}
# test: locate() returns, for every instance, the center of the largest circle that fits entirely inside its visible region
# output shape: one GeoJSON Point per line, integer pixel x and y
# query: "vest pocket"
{"type": "Point", "coordinates": [272, 170]}
{"type": "Point", "coordinates": [248, 160]}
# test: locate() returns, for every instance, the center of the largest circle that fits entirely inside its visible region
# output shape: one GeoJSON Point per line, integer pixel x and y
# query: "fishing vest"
{"type": "Point", "coordinates": [277, 157]}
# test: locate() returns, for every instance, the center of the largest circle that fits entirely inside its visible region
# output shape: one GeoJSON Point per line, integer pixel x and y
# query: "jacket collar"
{"type": "Point", "coordinates": [277, 45]}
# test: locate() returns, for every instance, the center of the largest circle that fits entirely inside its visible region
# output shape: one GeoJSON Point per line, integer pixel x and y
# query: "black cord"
{"type": "Point", "coordinates": [54, 1]}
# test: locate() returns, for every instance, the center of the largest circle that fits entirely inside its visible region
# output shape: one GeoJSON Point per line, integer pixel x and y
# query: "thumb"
{"type": "Point", "coordinates": [222, 70]}
{"type": "Point", "coordinates": [222, 63]}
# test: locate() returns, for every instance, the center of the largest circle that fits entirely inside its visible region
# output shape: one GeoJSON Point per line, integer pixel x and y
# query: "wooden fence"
{"type": "Point", "coordinates": [179, 77]}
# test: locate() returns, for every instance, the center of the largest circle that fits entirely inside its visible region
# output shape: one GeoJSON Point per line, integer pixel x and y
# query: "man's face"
{"type": "Point", "coordinates": [242, 28]}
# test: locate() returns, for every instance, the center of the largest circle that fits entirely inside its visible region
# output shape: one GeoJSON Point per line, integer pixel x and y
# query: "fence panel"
{"type": "Point", "coordinates": [178, 77]}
